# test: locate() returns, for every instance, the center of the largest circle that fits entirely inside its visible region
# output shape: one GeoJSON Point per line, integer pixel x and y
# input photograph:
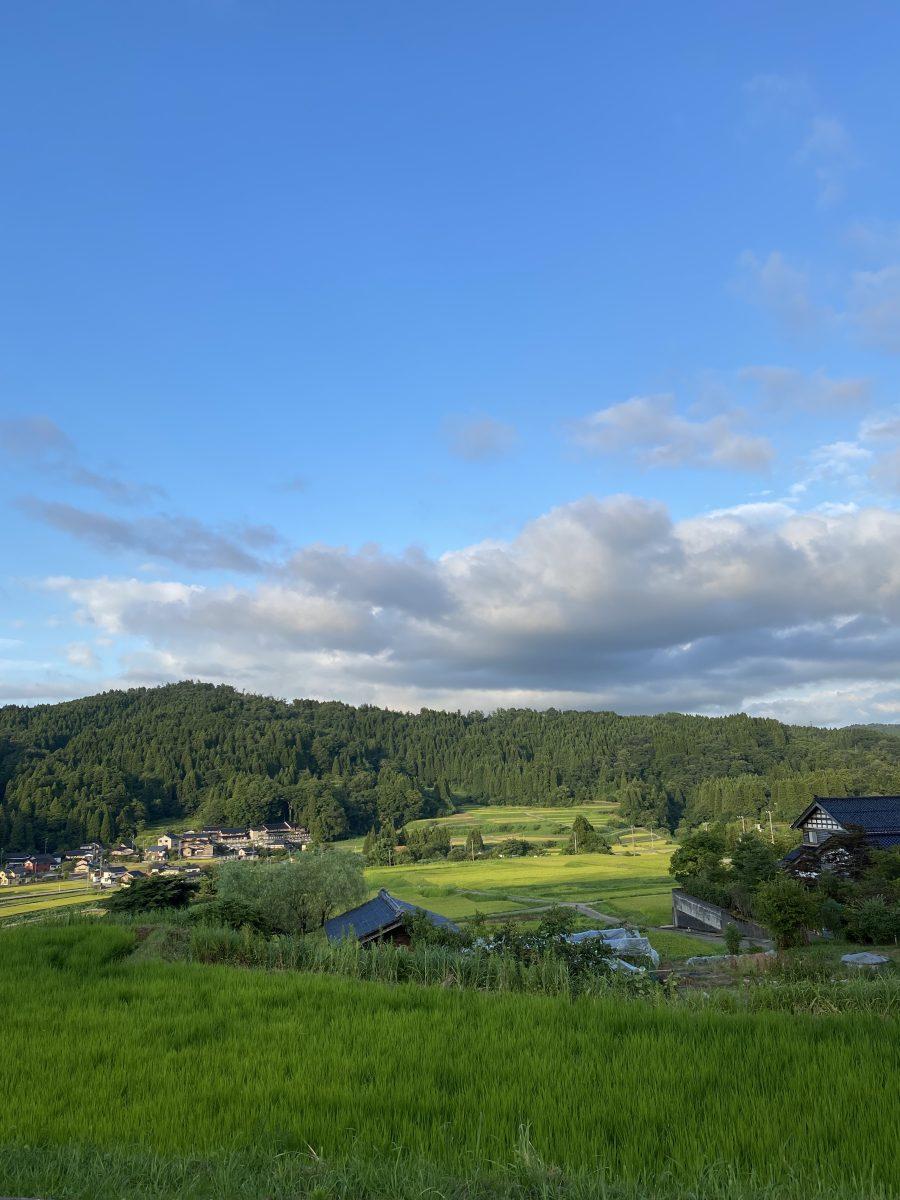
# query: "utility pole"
{"type": "Point", "coordinates": [632, 840]}
{"type": "Point", "coordinates": [743, 824]}
{"type": "Point", "coordinates": [771, 829]}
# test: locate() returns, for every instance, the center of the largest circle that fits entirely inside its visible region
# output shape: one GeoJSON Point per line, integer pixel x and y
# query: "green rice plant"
{"type": "Point", "coordinates": [105, 1055]}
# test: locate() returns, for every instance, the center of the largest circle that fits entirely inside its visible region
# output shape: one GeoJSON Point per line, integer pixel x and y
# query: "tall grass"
{"type": "Point", "coordinates": [112, 1055]}
{"type": "Point", "coordinates": [425, 965]}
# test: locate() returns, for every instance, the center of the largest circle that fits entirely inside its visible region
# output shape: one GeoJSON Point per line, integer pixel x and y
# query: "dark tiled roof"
{"type": "Point", "coordinates": [384, 911]}
{"type": "Point", "coordinates": [875, 814]}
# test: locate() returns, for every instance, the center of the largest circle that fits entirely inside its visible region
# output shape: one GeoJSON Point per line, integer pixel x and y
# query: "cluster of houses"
{"type": "Point", "coordinates": [118, 866]}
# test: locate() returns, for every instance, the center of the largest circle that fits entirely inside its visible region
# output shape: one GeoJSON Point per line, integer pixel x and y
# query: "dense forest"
{"type": "Point", "coordinates": [103, 767]}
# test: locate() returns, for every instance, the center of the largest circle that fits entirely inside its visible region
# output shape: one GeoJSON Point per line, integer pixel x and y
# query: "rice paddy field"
{"type": "Point", "coordinates": [633, 886]}
{"type": "Point", "coordinates": [39, 897]}
{"type": "Point", "coordinates": [315, 1080]}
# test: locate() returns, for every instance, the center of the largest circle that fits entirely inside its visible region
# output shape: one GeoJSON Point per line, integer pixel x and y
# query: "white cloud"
{"type": "Point", "coordinates": [874, 307]}
{"type": "Point", "coordinates": [599, 603]}
{"type": "Point", "coordinates": [786, 387]}
{"type": "Point", "coordinates": [783, 290]}
{"type": "Point", "coordinates": [824, 146]}
{"type": "Point", "coordinates": [828, 150]}
{"type": "Point", "coordinates": [650, 429]}
{"type": "Point", "coordinates": [81, 654]}
{"type": "Point", "coordinates": [478, 439]}
{"type": "Point", "coordinates": [39, 443]}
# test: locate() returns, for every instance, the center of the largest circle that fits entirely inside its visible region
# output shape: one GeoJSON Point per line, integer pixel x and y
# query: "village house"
{"type": "Point", "coordinates": [156, 854]}
{"type": "Point", "coordinates": [828, 820]}
{"type": "Point", "coordinates": [382, 919]}
{"type": "Point", "coordinates": [232, 838]}
{"type": "Point", "coordinates": [280, 834]}
{"type": "Point", "coordinates": [197, 845]}
{"type": "Point", "coordinates": [90, 851]}
{"type": "Point", "coordinates": [12, 874]}
{"type": "Point", "coordinates": [171, 841]}
{"type": "Point", "coordinates": [113, 876]}
{"type": "Point", "coordinates": [41, 864]}
{"type": "Point", "coordinates": [124, 853]}
{"type": "Point", "coordinates": [83, 866]}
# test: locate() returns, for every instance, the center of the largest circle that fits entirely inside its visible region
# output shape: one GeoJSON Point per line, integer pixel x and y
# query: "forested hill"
{"type": "Point", "coordinates": [101, 767]}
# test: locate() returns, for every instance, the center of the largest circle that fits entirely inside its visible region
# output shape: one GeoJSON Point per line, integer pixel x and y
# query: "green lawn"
{"type": "Point", "coordinates": [184, 1059]}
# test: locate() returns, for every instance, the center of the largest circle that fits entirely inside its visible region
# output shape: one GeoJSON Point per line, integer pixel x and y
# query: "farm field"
{"type": "Point", "coordinates": [538, 822]}
{"type": "Point", "coordinates": [37, 897]}
{"type": "Point", "coordinates": [522, 1083]}
{"type": "Point", "coordinates": [635, 887]}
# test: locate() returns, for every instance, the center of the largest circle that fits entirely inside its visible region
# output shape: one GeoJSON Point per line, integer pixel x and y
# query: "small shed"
{"type": "Point", "coordinates": [378, 920]}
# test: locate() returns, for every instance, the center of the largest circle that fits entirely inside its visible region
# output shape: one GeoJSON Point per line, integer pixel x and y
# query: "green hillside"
{"type": "Point", "coordinates": [104, 766]}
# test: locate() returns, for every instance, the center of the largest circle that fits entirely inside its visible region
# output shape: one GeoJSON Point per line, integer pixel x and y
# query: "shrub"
{"type": "Point", "coordinates": [787, 908]}
{"type": "Point", "coordinates": [159, 891]}
{"type": "Point", "coordinates": [732, 939]}
{"type": "Point", "coordinates": [873, 921]}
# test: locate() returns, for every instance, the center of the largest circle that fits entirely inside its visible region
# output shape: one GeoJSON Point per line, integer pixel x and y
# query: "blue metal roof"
{"type": "Point", "coordinates": [874, 814]}
{"type": "Point", "coordinates": [384, 911]}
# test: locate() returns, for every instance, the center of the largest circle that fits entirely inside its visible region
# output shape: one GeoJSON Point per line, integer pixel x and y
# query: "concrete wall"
{"type": "Point", "coordinates": [690, 913]}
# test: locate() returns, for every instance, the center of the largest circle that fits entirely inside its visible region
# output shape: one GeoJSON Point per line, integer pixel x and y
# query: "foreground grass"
{"type": "Point", "coordinates": [182, 1061]}
{"type": "Point", "coordinates": [82, 1173]}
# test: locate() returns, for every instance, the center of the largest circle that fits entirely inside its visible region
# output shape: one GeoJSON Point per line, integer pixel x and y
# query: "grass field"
{"type": "Point", "coordinates": [183, 1059]}
{"type": "Point", "coordinates": [636, 887]}
{"type": "Point", "coordinates": [40, 897]}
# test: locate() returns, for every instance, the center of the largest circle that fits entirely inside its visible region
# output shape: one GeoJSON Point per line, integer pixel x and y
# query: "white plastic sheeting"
{"type": "Point", "coordinates": [625, 942]}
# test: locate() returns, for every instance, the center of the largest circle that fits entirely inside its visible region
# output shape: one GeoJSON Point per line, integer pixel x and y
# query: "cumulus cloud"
{"type": "Point", "coordinates": [181, 540]}
{"type": "Point", "coordinates": [828, 150]}
{"type": "Point", "coordinates": [39, 443]}
{"type": "Point", "coordinates": [823, 143]}
{"type": "Point", "coordinates": [599, 603]}
{"type": "Point", "coordinates": [479, 438]}
{"type": "Point", "coordinates": [81, 654]}
{"type": "Point", "coordinates": [786, 387]}
{"type": "Point", "coordinates": [649, 428]}
{"type": "Point", "coordinates": [783, 290]}
{"type": "Point", "coordinates": [874, 307]}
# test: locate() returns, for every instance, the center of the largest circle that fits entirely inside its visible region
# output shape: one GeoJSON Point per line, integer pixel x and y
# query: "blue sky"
{"type": "Point", "coordinates": [455, 355]}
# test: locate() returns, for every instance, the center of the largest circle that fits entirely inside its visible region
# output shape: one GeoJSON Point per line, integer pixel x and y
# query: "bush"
{"type": "Point", "coordinates": [513, 848]}
{"type": "Point", "coordinates": [159, 891]}
{"type": "Point", "coordinates": [873, 921]}
{"type": "Point", "coordinates": [732, 939]}
{"type": "Point", "coordinates": [787, 909]}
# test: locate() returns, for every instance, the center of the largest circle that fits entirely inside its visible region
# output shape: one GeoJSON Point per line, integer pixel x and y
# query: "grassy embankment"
{"type": "Point", "coordinates": [278, 1084]}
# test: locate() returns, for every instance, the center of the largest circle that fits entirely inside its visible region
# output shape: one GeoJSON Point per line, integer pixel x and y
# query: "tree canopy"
{"type": "Point", "coordinates": [102, 767]}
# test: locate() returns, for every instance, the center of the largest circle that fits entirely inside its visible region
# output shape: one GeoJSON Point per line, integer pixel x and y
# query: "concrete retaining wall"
{"type": "Point", "coordinates": [690, 913]}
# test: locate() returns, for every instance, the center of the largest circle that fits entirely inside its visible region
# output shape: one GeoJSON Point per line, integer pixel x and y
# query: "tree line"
{"type": "Point", "coordinates": [103, 767]}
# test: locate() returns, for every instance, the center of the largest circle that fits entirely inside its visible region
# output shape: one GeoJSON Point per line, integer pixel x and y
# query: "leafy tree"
{"type": "Point", "coordinates": [298, 896]}
{"type": "Point", "coordinates": [787, 909]}
{"type": "Point", "coordinates": [157, 891]}
{"type": "Point", "coordinates": [584, 839]}
{"type": "Point", "coordinates": [512, 848]}
{"type": "Point", "coordinates": [699, 855]}
{"type": "Point", "coordinates": [104, 766]}
{"type": "Point", "coordinates": [474, 843]}
{"type": "Point", "coordinates": [753, 861]}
